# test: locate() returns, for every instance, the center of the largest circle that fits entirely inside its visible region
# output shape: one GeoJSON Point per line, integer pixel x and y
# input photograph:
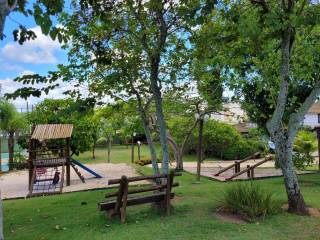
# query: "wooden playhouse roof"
{"type": "Point", "coordinates": [52, 131]}
{"type": "Point", "coordinates": [315, 108]}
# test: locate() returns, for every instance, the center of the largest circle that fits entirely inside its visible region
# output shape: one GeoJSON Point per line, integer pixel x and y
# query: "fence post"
{"type": "Point", "coordinates": [248, 172]}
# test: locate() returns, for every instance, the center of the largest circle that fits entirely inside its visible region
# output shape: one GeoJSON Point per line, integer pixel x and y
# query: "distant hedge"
{"type": "Point", "coordinates": [220, 140]}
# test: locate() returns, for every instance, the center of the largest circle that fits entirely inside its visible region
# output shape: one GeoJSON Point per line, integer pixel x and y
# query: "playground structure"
{"type": "Point", "coordinates": [50, 161]}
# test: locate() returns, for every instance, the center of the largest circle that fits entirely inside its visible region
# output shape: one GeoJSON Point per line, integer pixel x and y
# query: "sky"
{"type": "Point", "coordinates": [36, 56]}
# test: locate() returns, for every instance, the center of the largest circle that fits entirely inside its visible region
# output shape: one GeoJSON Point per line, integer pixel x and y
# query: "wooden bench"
{"type": "Point", "coordinates": [161, 194]}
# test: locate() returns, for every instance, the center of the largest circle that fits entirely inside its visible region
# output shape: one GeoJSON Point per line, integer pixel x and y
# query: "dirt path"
{"type": "Point", "coordinates": [15, 184]}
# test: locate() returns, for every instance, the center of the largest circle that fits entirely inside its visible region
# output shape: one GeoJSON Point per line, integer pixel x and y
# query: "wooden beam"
{"type": "Point", "coordinates": [141, 178]}
{"type": "Point", "coordinates": [157, 197]}
{"type": "Point", "coordinates": [268, 158]}
{"type": "Point", "coordinates": [141, 190]}
{"type": "Point", "coordinates": [254, 156]}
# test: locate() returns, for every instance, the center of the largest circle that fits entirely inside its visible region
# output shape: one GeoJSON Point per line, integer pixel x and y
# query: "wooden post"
{"type": "Point", "coordinates": [124, 199]}
{"type": "Point", "coordinates": [199, 160]}
{"type": "Point", "coordinates": [248, 172]}
{"type": "Point", "coordinates": [118, 204]}
{"type": "Point", "coordinates": [68, 161]}
{"type": "Point", "coordinates": [252, 173]}
{"type": "Point", "coordinates": [168, 192]}
{"type": "Point", "coordinates": [236, 166]}
{"type": "Point", "coordinates": [132, 149]}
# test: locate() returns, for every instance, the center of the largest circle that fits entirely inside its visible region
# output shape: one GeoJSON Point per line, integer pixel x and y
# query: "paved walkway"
{"type": "Point", "coordinates": [15, 184]}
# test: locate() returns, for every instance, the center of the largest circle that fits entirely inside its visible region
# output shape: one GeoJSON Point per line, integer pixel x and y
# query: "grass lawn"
{"type": "Point", "coordinates": [122, 154]}
{"type": "Point", "coordinates": [64, 217]}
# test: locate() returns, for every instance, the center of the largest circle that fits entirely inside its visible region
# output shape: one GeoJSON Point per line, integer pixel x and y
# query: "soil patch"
{"type": "Point", "coordinates": [229, 217]}
{"type": "Point", "coordinates": [313, 212]}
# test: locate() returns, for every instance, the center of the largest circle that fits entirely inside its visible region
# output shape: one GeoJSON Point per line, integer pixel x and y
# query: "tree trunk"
{"type": "Point", "coordinates": [1, 152]}
{"type": "Point", "coordinates": [109, 149]}
{"type": "Point", "coordinates": [296, 203]}
{"type": "Point", "coordinates": [147, 132]}
{"type": "Point", "coordinates": [132, 149]}
{"type": "Point", "coordinates": [159, 112]}
{"type": "Point", "coordinates": [11, 149]}
{"type": "Point", "coordinates": [4, 11]}
{"type": "Point", "coordinates": [199, 153]}
{"type": "Point", "coordinates": [1, 219]}
{"type": "Point", "coordinates": [93, 150]}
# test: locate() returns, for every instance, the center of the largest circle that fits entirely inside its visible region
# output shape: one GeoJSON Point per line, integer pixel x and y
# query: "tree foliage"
{"type": "Point", "coordinates": [67, 111]}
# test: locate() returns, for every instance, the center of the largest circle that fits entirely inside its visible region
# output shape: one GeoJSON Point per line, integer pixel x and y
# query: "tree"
{"type": "Point", "coordinates": [10, 122]}
{"type": "Point", "coordinates": [119, 119]}
{"type": "Point", "coordinates": [43, 12]}
{"type": "Point", "coordinates": [1, 219]}
{"type": "Point", "coordinates": [68, 111]}
{"type": "Point", "coordinates": [273, 47]}
{"type": "Point", "coordinates": [129, 44]}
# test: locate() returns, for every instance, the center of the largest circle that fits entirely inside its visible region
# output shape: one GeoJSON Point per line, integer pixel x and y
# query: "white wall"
{"type": "Point", "coordinates": [311, 120]}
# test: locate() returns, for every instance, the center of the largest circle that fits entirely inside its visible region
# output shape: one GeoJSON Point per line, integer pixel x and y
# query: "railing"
{"type": "Point", "coordinates": [236, 164]}
{"type": "Point", "coordinates": [250, 169]}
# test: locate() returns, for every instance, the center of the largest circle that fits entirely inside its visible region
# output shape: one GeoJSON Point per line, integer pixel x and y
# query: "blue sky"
{"type": "Point", "coordinates": [38, 56]}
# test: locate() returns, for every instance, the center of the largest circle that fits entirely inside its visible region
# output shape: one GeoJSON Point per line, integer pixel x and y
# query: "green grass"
{"type": "Point", "coordinates": [122, 154]}
{"type": "Point", "coordinates": [193, 218]}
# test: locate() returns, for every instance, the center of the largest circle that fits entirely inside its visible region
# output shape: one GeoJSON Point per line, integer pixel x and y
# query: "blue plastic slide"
{"type": "Point", "coordinates": [76, 162]}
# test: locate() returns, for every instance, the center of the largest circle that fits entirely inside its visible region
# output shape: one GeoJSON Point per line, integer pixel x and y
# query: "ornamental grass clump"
{"type": "Point", "coordinates": [248, 200]}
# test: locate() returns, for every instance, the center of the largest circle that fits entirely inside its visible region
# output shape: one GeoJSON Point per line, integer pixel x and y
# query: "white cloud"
{"type": "Point", "coordinates": [9, 86]}
{"type": "Point", "coordinates": [38, 51]}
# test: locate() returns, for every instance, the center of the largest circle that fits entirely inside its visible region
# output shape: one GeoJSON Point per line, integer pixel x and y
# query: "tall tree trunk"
{"type": "Point", "coordinates": [147, 132]}
{"type": "Point", "coordinates": [1, 152]}
{"type": "Point", "coordinates": [4, 11]}
{"type": "Point", "coordinates": [159, 112]}
{"type": "Point", "coordinates": [93, 150]}
{"type": "Point", "coordinates": [132, 149]}
{"type": "Point", "coordinates": [109, 149]}
{"type": "Point", "coordinates": [11, 149]}
{"type": "Point", "coordinates": [296, 201]}
{"type": "Point", "coordinates": [199, 153]}
{"type": "Point", "coordinates": [1, 219]}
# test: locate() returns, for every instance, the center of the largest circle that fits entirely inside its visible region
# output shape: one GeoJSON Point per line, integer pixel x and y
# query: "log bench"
{"type": "Point", "coordinates": [157, 193]}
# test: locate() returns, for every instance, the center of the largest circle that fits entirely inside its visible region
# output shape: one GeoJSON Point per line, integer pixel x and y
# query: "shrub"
{"type": "Point", "coordinates": [248, 200]}
{"type": "Point", "coordinates": [243, 148]}
{"type": "Point", "coordinates": [302, 160]}
{"type": "Point", "coordinates": [305, 143]}
{"type": "Point", "coordinates": [102, 141]}
{"type": "Point", "coordinates": [145, 161]}
{"type": "Point", "coordinates": [223, 140]}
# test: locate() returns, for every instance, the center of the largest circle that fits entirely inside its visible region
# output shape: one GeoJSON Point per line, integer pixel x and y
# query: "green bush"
{"type": "Point", "coordinates": [222, 140]}
{"type": "Point", "coordinates": [243, 148]}
{"type": "Point", "coordinates": [145, 161]}
{"type": "Point", "coordinates": [248, 200]}
{"type": "Point", "coordinates": [304, 144]}
{"type": "Point", "coordinates": [102, 141]}
{"type": "Point", "coordinates": [302, 160]}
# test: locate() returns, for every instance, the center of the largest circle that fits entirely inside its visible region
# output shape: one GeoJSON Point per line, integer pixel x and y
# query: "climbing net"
{"type": "Point", "coordinates": [47, 180]}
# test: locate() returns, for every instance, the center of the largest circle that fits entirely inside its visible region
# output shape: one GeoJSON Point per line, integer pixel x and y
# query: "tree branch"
{"type": "Point", "coordinates": [297, 117]}
{"type": "Point", "coordinates": [13, 6]}
{"type": "Point", "coordinates": [274, 124]}
{"type": "Point", "coordinates": [261, 3]}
